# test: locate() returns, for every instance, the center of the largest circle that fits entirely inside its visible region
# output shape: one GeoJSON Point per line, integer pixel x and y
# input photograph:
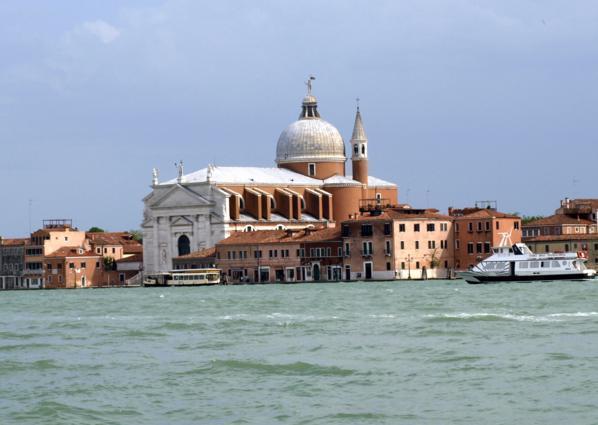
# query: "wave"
{"type": "Point", "coordinates": [483, 316]}
{"type": "Point", "coordinates": [297, 368]}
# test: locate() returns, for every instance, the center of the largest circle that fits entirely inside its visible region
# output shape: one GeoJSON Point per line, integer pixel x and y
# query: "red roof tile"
{"type": "Point", "coordinates": [558, 220]}
{"type": "Point", "coordinates": [202, 253]}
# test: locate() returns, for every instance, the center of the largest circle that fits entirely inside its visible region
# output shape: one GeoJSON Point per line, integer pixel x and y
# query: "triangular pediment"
{"type": "Point", "coordinates": [179, 196]}
{"type": "Point", "coordinates": [181, 221]}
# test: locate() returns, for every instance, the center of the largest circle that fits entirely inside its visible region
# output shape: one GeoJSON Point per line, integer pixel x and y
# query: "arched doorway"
{"type": "Point", "coordinates": [316, 272]}
{"type": "Point", "coordinates": [184, 245]}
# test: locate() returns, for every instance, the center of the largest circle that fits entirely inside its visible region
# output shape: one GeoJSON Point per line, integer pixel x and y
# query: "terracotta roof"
{"type": "Point", "coordinates": [67, 252]}
{"type": "Point", "coordinates": [14, 242]}
{"type": "Point", "coordinates": [574, 237]}
{"type": "Point", "coordinates": [401, 214]}
{"type": "Point", "coordinates": [281, 236]}
{"type": "Point", "coordinates": [484, 213]}
{"type": "Point", "coordinates": [558, 219]}
{"type": "Point", "coordinates": [202, 253]}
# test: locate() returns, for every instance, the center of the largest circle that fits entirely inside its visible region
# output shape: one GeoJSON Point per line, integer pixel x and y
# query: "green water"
{"type": "Point", "coordinates": [360, 353]}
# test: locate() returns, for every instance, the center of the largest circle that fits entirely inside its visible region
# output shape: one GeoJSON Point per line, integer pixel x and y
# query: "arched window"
{"type": "Point", "coordinates": [249, 229]}
{"type": "Point", "coordinates": [280, 227]}
{"type": "Point", "coordinates": [363, 149]}
{"type": "Point", "coordinates": [184, 245]}
{"type": "Point", "coordinates": [356, 148]}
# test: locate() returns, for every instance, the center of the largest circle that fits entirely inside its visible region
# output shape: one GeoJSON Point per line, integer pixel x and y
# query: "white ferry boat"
{"type": "Point", "coordinates": [191, 277]}
{"type": "Point", "coordinates": [517, 263]}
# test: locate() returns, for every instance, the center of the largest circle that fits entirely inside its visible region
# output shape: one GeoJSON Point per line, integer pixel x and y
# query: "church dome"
{"type": "Point", "coordinates": [310, 139]}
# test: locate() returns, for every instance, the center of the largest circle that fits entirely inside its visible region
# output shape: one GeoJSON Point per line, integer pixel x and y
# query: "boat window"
{"type": "Point", "coordinates": [534, 265]}
{"type": "Point", "coordinates": [545, 264]}
{"type": "Point", "coordinates": [564, 263]}
{"type": "Point", "coordinates": [201, 276]}
{"type": "Point", "coordinates": [510, 250]}
{"type": "Point", "coordinates": [523, 265]}
{"type": "Point", "coordinates": [555, 264]}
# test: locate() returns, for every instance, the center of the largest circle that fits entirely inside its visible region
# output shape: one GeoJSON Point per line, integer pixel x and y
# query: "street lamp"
{"type": "Point", "coordinates": [409, 266]}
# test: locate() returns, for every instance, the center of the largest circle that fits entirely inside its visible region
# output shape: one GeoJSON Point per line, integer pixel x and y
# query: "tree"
{"type": "Point", "coordinates": [136, 235]}
{"type": "Point", "coordinates": [526, 219]}
{"type": "Point", "coordinates": [95, 229]}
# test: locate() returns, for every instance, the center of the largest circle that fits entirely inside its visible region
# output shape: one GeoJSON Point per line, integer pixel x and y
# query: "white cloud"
{"type": "Point", "coordinates": [105, 32]}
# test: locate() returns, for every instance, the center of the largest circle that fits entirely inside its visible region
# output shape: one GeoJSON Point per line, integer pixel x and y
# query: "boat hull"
{"type": "Point", "coordinates": [474, 278]}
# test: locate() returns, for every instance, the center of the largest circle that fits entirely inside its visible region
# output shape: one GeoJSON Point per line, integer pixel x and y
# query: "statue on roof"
{"type": "Point", "coordinates": [155, 173]}
{"type": "Point", "coordinates": [308, 84]}
{"type": "Point", "coordinates": [180, 171]}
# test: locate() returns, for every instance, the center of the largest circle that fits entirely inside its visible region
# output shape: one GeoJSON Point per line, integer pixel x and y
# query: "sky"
{"type": "Point", "coordinates": [462, 100]}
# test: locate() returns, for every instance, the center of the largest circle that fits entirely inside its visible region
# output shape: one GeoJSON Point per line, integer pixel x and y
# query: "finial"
{"type": "Point", "coordinates": [357, 102]}
{"type": "Point", "coordinates": [308, 84]}
{"type": "Point", "coordinates": [155, 173]}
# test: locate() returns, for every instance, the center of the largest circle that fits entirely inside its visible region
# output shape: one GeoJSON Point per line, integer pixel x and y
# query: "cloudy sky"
{"type": "Point", "coordinates": [462, 100]}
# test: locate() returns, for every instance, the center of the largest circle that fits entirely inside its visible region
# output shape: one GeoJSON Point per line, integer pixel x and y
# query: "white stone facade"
{"type": "Point", "coordinates": [197, 211]}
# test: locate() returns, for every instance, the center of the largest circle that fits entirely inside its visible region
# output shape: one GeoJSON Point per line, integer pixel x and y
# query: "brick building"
{"type": "Point", "coordinates": [281, 256]}
{"type": "Point", "coordinates": [397, 243]}
{"type": "Point", "coordinates": [477, 230]}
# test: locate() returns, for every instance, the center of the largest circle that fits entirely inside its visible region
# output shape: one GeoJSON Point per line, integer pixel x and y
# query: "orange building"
{"type": "Point", "coordinates": [398, 243]}
{"type": "Point", "coordinates": [281, 256]}
{"type": "Point", "coordinates": [477, 230]}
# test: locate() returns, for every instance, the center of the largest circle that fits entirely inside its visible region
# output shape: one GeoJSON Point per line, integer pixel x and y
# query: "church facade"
{"type": "Point", "coordinates": [308, 188]}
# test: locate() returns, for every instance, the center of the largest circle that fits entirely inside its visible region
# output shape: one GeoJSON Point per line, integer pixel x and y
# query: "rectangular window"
{"type": "Point", "coordinates": [430, 227]}
{"type": "Point", "coordinates": [367, 230]}
{"type": "Point", "coordinates": [49, 266]}
{"type": "Point", "coordinates": [387, 229]}
{"type": "Point", "coordinates": [339, 252]}
{"type": "Point", "coordinates": [387, 243]}
{"type": "Point", "coordinates": [402, 244]}
{"type": "Point", "coordinates": [345, 230]}
{"type": "Point", "coordinates": [470, 247]}
{"type": "Point", "coordinates": [478, 247]}
{"type": "Point", "coordinates": [416, 244]}
{"type": "Point", "coordinates": [431, 244]}
{"type": "Point", "coordinates": [417, 264]}
{"type": "Point", "coordinates": [401, 227]}
{"type": "Point", "coordinates": [457, 227]}
{"type": "Point", "coordinates": [457, 244]}
{"type": "Point", "coordinates": [516, 225]}
{"type": "Point", "coordinates": [311, 169]}
{"type": "Point", "coordinates": [387, 266]}
{"type": "Point", "coordinates": [470, 227]}
{"type": "Point", "coordinates": [497, 225]}
{"type": "Point", "coordinates": [114, 250]}
{"type": "Point", "coordinates": [347, 250]}
{"type": "Point", "coordinates": [487, 247]}
{"type": "Point", "coordinates": [71, 265]}
{"type": "Point", "coordinates": [402, 265]}
{"type": "Point", "coordinates": [270, 253]}
{"type": "Point", "coordinates": [487, 226]}
{"type": "Point", "coordinates": [479, 226]}
{"type": "Point", "coordinates": [416, 227]}
{"type": "Point", "coordinates": [83, 265]}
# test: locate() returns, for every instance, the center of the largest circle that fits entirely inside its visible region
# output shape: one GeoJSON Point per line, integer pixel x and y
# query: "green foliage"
{"type": "Point", "coordinates": [136, 235]}
{"type": "Point", "coordinates": [109, 263]}
{"type": "Point", "coordinates": [526, 219]}
{"type": "Point", "coordinates": [95, 229]}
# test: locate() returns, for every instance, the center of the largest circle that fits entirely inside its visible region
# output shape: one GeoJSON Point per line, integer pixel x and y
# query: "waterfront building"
{"type": "Point", "coordinates": [73, 267]}
{"type": "Point", "coordinates": [203, 259]}
{"type": "Point", "coordinates": [12, 263]}
{"type": "Point", "coordinates": [54, 235]}
{"type": "Point", "coordinates": [587, 244]}
{"type": "Point", "coordinates": [573, 217]}
{"type": "Point", "coordinates": [309, 187]}
{"type": "Point", "coordinates": [281, 256]}
{"type": "Point", "coordinates": [397, 243]}
{"type": "Point", "coordinates": [477, 230]}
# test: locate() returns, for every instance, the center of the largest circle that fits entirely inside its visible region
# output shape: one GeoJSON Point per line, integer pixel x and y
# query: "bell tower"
{"type": "Point", "coordinates": [359, 149]}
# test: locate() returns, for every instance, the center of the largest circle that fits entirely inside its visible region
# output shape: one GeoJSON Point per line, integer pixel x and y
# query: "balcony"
{"type": "Point", "coordinates": [367, 252]}
{"type": "Point", "coordinates": [387, 253]}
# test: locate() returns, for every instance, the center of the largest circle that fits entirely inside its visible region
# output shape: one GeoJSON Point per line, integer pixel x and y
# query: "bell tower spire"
{"type": "Point", "coordinates": [359, 147]}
